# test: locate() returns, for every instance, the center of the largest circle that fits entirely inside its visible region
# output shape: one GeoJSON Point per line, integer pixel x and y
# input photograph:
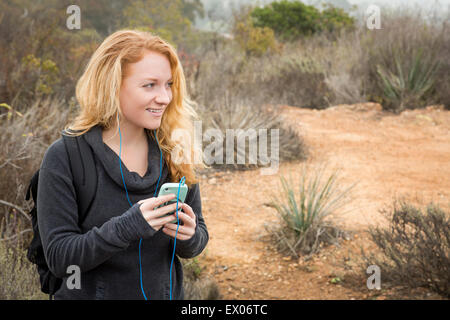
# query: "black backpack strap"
{"type": "Point", "coordinates": [32, 187]}
{"type": "Point", "coordinates": [83, 171]}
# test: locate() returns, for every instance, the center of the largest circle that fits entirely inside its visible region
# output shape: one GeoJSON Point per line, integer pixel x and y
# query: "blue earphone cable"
{"type": "Point", "coordinates": [128, 198]}
{"type": "Point", "coordinates": [176, 233]}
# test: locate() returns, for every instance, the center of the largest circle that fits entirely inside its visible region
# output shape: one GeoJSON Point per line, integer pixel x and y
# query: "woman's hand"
{"type": "Point", "coordinates": [156, 216]}
{"type": "Point", "coordinates": [185, 231]}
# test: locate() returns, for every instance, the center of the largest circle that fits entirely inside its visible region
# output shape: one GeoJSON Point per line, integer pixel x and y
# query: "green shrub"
{"type": "Point", "coordinates": [293, 19]}
{"type": "Point", "coordinates": [41, 77]}
{"type": "Point", "coordinates": [288, 19]}
{"type": "Point", "coordinates": [255, 41]}
{"type": "Point", "coordinates": [335, 19]}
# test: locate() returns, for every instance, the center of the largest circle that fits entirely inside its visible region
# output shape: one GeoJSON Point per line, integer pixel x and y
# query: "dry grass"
{"type": "Point", "coordinates": [24, 139]}
{"type": "Point", "coordinates": [19, 279]}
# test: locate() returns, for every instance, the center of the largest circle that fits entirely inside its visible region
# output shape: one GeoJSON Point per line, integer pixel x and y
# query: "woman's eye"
{"type": "Point", "coordinates": [151, 85]}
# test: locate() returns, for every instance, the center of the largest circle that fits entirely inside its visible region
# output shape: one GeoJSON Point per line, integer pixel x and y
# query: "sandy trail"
{"type": "Point", "coordinates": [386, 155]}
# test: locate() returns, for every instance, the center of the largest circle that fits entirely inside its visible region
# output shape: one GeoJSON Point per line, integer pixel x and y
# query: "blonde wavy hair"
{"type": "Point", "coordinates": [97, 92]}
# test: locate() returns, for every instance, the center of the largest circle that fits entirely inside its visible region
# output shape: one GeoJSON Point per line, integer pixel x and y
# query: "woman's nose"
{"type": "Point", "coordinates": [163, 96]}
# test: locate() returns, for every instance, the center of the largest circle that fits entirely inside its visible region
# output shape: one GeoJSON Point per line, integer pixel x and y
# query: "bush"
{"type": "Point", "coordinates": [39, 56]}
{"type": "Point", "coordinates": [316, 72]}
{"type": "Point", "coordinates": [251, 123]}
{"type": "Point", "coordinates": [196, 285]}
{"type": "Point", "coordinates": [294, 77]}
{"type": "Point", "coordinates": [414, 248]}
{"type": "Point", "coordinates": [255, 41]}
{"type": "Point", "coordinates": [24, 139]}
{"type": "Point", "coordinates": [406, 64]}
{"type": "Point", "coordinates": [407, 88]}
{"type": "Point", "coordinates": [293, 19]}
{"type": "Point", "coordinates": [298, 81]}
{"type": "Point", "coordinates": [335, 19]}
{"type": "Point", "coordinates": [303, 227]}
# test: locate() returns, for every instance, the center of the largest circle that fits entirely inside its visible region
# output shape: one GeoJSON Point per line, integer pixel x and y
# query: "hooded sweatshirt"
{"type": "Point", "coordinates": [105, 247]}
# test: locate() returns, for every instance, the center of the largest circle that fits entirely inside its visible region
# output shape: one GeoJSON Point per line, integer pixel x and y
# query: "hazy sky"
{"type": "Point", "coordinates": [430, 8]}
{"type": "Point", "coordinates": [426, 4]}
{"type": "Point", "coordinates": [396, 2]}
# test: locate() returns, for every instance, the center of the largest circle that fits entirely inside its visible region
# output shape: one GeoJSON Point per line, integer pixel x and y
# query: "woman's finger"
{"type": "Point", "coordinates": [187, 208]}
{"type": "Point", "coordinates": [157, 223]}
{"type": "Point", "coordinates": [180, 236]}
{"type": "Point", "coordinates": [187, 220]}
{"type": "Point", "coordinates": [152, 203]}
{"type": "Point", "coordinates": [159, 213]}
{"type": "Point", "coordinates": [165, 210]}
{"type": "Point", "coordinates": [181, 229]}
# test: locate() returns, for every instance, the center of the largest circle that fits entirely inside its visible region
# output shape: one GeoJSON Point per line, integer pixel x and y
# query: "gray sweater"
{"type": "Point", "coordinates": [105, 246]}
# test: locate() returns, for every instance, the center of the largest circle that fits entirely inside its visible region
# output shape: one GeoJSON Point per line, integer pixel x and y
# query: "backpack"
{"type": "Point", "coordinates": [85, 182]}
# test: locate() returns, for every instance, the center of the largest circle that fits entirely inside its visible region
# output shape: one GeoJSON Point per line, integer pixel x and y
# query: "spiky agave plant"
{"type": "Point", "coordinates": [402, 89]}
{"type": "Point", "coordinates": [253, 124]}
{"type": "Point", "coordinates": [304, 211]}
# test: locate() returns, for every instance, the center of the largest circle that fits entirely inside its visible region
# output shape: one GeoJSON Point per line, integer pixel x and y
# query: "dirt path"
{"type": "Point", "coordinates": [387, 155]}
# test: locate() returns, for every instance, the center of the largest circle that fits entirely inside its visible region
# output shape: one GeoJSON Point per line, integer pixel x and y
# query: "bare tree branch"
{"type": "Point", "coordinates": [16, 235]}
{"type": "Point", "coordinates": [12, 205]}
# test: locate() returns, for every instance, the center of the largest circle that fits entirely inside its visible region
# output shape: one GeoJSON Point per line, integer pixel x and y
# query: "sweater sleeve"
{"type": "Point", "coordinates": [62, 240]}
{"type": "Point", "coordinates": [195, 245]}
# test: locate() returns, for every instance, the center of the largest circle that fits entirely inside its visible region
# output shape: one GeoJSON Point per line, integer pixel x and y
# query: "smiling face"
{"type": "Point", "coordinates": [146, 90]}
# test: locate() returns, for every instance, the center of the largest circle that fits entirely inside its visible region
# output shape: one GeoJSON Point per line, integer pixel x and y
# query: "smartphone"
{"type": "Point", "coordinates": [172, 187]}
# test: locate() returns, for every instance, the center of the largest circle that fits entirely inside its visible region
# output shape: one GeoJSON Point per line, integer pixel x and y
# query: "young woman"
{"type": "Point", "coordinates": [132, 96]}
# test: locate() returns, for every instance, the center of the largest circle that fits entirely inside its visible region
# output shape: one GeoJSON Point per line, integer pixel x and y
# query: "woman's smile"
{"type": "Point", "coordinates": [155, 112]}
